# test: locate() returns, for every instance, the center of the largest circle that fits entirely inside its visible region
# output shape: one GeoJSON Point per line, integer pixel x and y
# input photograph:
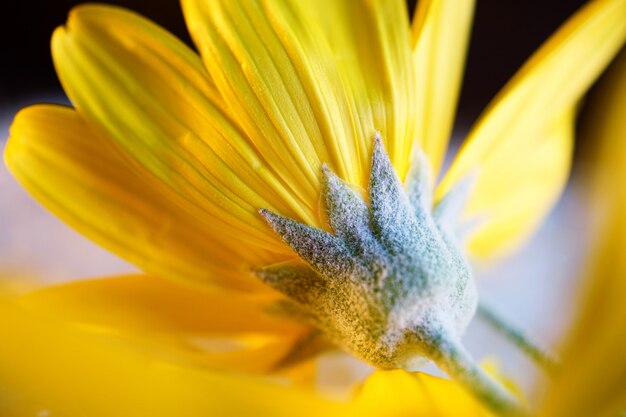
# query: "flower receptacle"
{"type": "Point", "coordinates": [389, 277]}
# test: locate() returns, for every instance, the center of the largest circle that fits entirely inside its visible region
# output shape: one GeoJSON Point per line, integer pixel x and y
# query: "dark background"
{"type": "Point", "coordinates": [505, 33]}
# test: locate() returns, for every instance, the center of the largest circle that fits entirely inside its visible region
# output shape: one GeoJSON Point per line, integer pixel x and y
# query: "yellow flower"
{"type": "Point", "coordinates": [167, 157]}
{"type": "Point", "coordinates": [166, 161]}
{"type": "Point", "coordinates": [593, 382]}
{"type": "Point", "coordinates": [50, 368]}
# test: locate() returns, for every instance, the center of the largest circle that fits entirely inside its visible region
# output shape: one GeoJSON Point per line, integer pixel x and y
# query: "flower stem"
{"type": "Point", "coordinates": [518, 338]}
{"type": "Point", "coordinates": [452, 358]}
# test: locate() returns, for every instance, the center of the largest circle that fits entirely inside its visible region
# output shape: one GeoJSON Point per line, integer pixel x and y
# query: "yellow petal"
{"type": "Point", "coordinates": [441, 30]}
{"type": "Point", "coordinates": [47, 368]}
{"type": "Point", "coordinates": [73, 172]}
{"type": "Point", "coordinates": [592, 379]}
{"type": "Point", "coordinates": [304, 86]}
{"type": "Point", "coordinates": [519, 201]}
{"type": "Point", "coordinates": [521, 139]}
{"type": "Point", "coordinates": [399, 394]}
{"type": "Point", "coordinates": [220, 330]}
{"type": "Point", "coordinates": [151, 95]}
{"type": "Point", "coordinates": [371, 47]}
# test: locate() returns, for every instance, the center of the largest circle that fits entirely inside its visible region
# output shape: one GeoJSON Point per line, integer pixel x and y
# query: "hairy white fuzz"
{"type": "Point", "coordinates": [390, 283]}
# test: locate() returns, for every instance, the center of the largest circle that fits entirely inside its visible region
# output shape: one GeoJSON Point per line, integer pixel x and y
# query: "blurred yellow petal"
{"type": "Point", "coordinates": [441, 30]}
{"type": "Point", "coordinates": [592, 380]}
{"type": "Point", "coordinates": [73, 172]}
{"type": "Point", "coordinates": [153, 98]}
{"type": "Point", "coordinates": [400, 394]}
{"type": "Point", "coordinates": [304, 87]}
{"type": "Point", "coordinates": [515, 141]}
{"type": "Point", "coordinates": [51, 369]}
{"type": "Point", "coordinates": [220, 330]}
{"type": "Point", "coordinates": [513, 196]}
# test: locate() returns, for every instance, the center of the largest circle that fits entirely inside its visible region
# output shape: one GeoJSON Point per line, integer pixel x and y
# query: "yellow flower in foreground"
{"type": "Point", "coordinates": [167, 158]}
{"type": "Point", "coordinates": [594, 383]}
{"type": "Point", "coordinates": [53, 369]}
